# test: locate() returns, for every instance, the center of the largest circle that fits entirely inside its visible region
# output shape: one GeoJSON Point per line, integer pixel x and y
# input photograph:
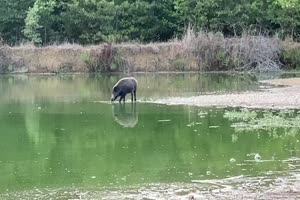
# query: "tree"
{"type": "Point", "coordinates": [39, 20]}
{"type": "Point", "coordinates": [94, 21]}
{"type": "Point", "coordinates": [89, 21]}
{"type": "Point", "coordinates": [287, 14]}
{"type": "Point", "coordinates": [12, 15]}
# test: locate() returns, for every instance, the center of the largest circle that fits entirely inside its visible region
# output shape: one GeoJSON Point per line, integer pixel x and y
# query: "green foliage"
{"type": "Point", "coordinates": [223, 59]}
{"type": "Point", "coordinates": [119, 63]}
{"type": "Point", "coordinates": [86, 58]}
{"type": "Point", "coordinates": [287, 15]}
{"type": "Point", "coordinates": [89, 21]}
{"type": "Point", "coordinates": [12, 14]}
{"type": "Point", "coordinates": [38, 20]}
{"type": "Point", "coordinates": [179, 64]}
{"type": "Point", "coordinates": [291, 57]}
{"type": "Point", "coordinates": [94, 21]}
{"type": "Point", "coordinates": [107, 59]}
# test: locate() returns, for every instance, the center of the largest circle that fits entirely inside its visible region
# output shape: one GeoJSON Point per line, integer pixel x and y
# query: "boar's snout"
{"type": "Point", "coordinates": [113, 96]}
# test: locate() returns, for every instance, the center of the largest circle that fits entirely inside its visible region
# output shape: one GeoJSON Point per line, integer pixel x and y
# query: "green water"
{"type": "Point", "coordinates": [61, 132]}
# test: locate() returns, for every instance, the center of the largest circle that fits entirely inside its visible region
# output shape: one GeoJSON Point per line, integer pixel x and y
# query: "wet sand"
{"type": "Point", "coordinates": [284, 93]}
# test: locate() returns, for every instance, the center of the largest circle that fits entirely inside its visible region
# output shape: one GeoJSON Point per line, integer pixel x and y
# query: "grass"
{"type": "Point", "coordinates": [196, 51]}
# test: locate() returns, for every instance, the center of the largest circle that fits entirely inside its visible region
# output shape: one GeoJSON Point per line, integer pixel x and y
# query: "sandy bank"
{"type": "Point", "coordinates": [277, 97]}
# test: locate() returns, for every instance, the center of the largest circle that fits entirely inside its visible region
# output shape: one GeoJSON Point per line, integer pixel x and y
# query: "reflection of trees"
{"type": "Point", "coordinates": [190, 84]}
{"type": "Point", "coordinates": [74, 146]}
{"type": "Point", "coordinates": [125, 115]}
{"type": "Point", "coordinates": [98, 87]}
{"type": "Point", "coordinates": [32, 122]}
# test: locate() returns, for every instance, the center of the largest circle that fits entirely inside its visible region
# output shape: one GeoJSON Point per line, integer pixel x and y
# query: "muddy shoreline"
{"type": "Point", "coordinates": [284, 94]}
{"type": "Point", "coordinates": [240, 187]}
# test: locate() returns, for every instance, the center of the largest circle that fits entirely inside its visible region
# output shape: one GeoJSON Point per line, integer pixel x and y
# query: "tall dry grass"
{"type": "Point", "coordinates": [195, 51]}
{"type": "Point", "coordinates": [246, 53]}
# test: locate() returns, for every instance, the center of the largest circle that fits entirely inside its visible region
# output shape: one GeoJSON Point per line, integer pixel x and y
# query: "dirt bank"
{"type": "Point", "coordinates": [285, 94]}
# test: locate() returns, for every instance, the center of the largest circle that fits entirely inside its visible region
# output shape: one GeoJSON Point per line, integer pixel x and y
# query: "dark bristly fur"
{"type": "Point", "coordinates": [123, 87]}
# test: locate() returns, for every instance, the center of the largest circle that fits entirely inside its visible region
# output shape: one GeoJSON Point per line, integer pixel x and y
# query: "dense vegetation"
{"type": "Point", "coordinates": [94, 21]}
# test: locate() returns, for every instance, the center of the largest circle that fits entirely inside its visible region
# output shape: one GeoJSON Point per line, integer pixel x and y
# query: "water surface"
{"type": "Point", "coordinates": [61, 138]}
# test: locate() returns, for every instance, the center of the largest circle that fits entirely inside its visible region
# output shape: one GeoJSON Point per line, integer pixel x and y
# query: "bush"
{"type": "Point", "coordinates": [246, 53]}
{"type": "Point", "coordinates": [179, 64]}
{"type": "Point", "coordinates": [104, 59]}
{"type": "Point", "coordinates": [291, 58]}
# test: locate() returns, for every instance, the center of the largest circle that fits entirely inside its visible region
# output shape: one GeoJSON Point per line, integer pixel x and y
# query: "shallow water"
{"type": "Point", "coordinates": [60, 138]}
{"type": "Point", "coordinates": [98, 88]}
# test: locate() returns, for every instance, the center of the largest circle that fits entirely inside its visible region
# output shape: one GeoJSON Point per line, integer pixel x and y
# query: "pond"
{"type": "Point", "coordinates": [61, 138]}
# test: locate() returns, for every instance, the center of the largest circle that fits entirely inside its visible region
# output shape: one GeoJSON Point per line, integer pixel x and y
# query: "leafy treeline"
{"type": "Point", "coordinates": [94, 21]}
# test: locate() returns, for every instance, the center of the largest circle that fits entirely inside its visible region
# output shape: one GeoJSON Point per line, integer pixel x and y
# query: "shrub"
{"type": "Point", "coordinates": [179, 64]}
{"type": "Point", "coordinates": [104, 59]}
{"type": "Point", "coordinates": [246, 53]}
{"type": "Point", "coordinates": [291, 58]}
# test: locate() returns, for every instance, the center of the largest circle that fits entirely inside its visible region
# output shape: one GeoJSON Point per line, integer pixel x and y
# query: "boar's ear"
{"type": "Point", "coordinates": [115, 89]}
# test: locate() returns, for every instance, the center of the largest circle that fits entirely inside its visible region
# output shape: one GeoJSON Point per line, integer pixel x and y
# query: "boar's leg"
{"type": "Point", "coordinates": [134, 92]}
{"type": "Point", "coordinates": [122, 97]}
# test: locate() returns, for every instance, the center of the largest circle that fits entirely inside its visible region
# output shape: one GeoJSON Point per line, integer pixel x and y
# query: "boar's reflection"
{"type": "Point", "coordinates": [125, 115]}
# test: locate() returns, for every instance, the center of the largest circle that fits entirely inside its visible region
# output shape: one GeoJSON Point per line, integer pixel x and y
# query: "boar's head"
{"type": "Point", "coordinates": [115, 93]}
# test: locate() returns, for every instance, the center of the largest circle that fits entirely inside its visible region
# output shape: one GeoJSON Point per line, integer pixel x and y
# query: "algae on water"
{"type": "Point", "coordinates": [242, 115]}
{"type": "Point", "coordinates": [249, 120]}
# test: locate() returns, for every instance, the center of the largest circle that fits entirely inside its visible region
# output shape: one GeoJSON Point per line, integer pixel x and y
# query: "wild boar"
{"type": "Point", "coordinates": [124, 86]}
